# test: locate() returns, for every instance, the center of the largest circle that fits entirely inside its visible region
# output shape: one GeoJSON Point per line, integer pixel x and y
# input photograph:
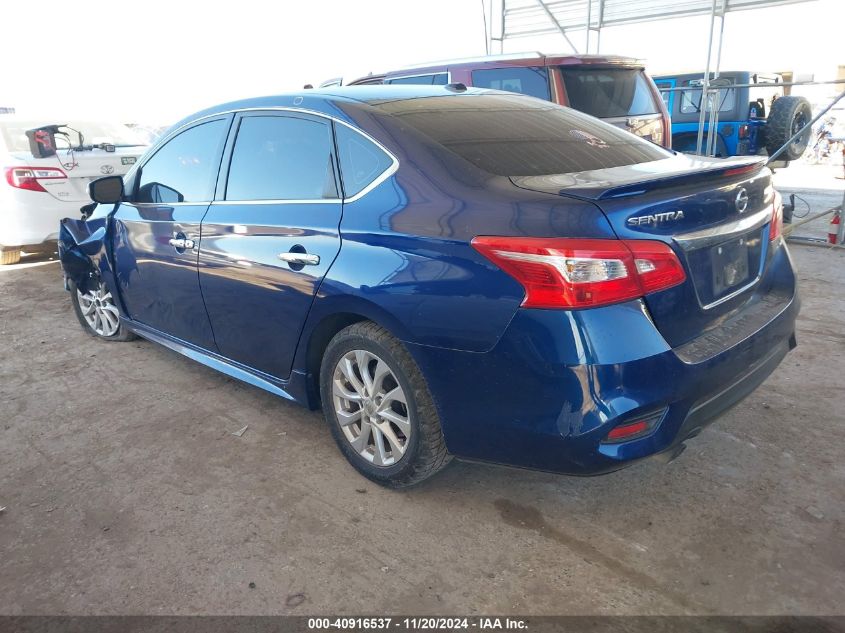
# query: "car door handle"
{"type": "Point", "coordinates": [180, 243]}
{"type": "Point", "coordinates": [306, 259]}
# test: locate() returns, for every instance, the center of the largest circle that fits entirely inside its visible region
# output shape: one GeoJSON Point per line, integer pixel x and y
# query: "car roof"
{"type": "Point", "coordinates": [509, 60]}
{"type": "Point", "coordinates": [326, 100]}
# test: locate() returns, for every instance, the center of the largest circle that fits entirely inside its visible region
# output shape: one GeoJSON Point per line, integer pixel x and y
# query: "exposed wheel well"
{"type": "Point", "coordinates": [320, 337]}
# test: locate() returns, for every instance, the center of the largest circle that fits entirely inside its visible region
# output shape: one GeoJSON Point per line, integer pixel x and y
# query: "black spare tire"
{"type": "Point", "coordinates": [788, 115]}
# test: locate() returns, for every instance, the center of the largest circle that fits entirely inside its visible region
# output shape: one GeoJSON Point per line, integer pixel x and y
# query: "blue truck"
{"type": "Point", "coordinates": [755, 117]}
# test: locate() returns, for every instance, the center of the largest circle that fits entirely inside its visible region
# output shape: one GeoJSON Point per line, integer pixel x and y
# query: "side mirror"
{"type": "Point", "coordinates": [108, 190]}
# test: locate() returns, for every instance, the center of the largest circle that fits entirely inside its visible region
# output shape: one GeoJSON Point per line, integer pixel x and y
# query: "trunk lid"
{"type": "Point", "coordinates": [81, 167]}
{"type": "Point", "coordinates": [714, 213]}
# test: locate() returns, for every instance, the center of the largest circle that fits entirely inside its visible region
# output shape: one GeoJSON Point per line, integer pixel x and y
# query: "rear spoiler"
{"type": "Point", "coordinates": [632, 180]}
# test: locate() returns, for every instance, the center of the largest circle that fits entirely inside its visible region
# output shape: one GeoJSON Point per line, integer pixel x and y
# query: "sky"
{"type": "Point", "coordinates": [155, 61]}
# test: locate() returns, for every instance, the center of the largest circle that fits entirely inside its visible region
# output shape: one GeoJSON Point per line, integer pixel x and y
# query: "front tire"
{"type": "Point", "coordinates": [379, 408]}
{"type": "Point", "coordinates": [98, 313]}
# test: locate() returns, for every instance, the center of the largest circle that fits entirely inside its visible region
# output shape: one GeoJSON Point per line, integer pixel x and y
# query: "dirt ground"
{"type": "Point", "coordinates": [126, 493]}
{"type": "Point", "coordinates": [817, 188]}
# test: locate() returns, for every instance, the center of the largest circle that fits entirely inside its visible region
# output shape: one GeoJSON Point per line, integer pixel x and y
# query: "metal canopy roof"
{"type": "Point", "coordinates": [523, 18]}
{"type": "Point", "coordinates": [526, 18]}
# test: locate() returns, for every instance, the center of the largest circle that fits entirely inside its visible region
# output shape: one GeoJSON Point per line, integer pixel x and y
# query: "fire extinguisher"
{"type": "Point", "coordinates": [833, 229]}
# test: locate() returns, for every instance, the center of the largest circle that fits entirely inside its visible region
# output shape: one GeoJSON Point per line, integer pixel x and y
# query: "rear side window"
{"type": "Point", "coordinates": [361, 161]}
{"type": "Point", "coordinates": [185, 168]}
{"type": "Point", "coordinates": [509, 135]}
{"type": "Point", "coordinates": [281, 158]}
{"type": "Point", "coordinates": [532, 81]}
{"type": "Point", "coordinates": [691, 100]}
{"type": "Point", "coordinates": [609, 92]}
{"type": "Point", "coordinates": [438, 79]}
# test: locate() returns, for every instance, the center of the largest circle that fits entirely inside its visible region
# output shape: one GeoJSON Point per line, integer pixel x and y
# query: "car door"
{"type": "Point", "coordinates": [270, 237]}
{"type": "Point", "coordinates": [156, 234]}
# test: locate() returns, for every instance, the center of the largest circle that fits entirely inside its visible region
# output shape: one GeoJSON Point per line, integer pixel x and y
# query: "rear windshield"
{"type": "Point", "coordinates": [512, 135]}
{"type": "Point", "coordinates": [14, 133]}
{"type": "Point", "coordinates": [609, 92]}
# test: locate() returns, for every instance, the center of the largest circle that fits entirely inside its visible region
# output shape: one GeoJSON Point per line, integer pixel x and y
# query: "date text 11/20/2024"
{"type": "Point", "coordinates": [417, 623]}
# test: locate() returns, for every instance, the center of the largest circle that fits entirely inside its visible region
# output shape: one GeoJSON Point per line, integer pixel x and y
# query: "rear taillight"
{"type": "Point", "coordinates": [743, 131]}
{"type": "Point", "coordinates": [776, 226]}
{"type": "Point", "coordinates": [28, 177]}
{"type": "Point", "coordinates": [657, 265]}
{"type": "Point", "coordinates": [583, 273]}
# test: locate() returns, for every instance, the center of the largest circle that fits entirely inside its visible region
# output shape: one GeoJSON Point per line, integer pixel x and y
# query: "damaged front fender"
{"type": "Point", "coordinates": [82, 251]}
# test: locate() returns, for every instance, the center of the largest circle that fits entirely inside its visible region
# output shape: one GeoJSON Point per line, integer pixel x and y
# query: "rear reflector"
{"type": "Point", "coordinates": [583, 273]}
{"type": "Point", "coordinates": [28, 177]}
{"type": "Point", "coordinates": [626, 431]}
{"type": "Point", "coordinates": [633, 430]}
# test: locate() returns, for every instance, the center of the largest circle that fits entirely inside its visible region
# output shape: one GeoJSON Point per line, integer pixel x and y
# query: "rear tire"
{"type": "Point", "coordinates": [9, 256]}
{"type": "Point", "coordinates": [97, 313]}
{"type": "Point", "coordinates": [369, 380]}
{"type": "Point", "coordinates": [788, 115]}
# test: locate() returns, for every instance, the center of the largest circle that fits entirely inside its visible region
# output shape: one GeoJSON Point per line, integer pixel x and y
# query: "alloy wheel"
{"type": "Point", "coordinates": [799, 122]}
{"type": "Point", "coordinates": [371, 407]}
{"type": "Point", "coordinates": [99, 311]}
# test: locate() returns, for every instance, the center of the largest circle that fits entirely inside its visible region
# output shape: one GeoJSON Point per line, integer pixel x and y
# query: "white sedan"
{"type": "Point", "coordinates": [35, 193]}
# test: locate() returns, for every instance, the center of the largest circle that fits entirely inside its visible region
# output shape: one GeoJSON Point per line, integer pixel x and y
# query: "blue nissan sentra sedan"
{"type": "Point", "coordinates": [447, 272]}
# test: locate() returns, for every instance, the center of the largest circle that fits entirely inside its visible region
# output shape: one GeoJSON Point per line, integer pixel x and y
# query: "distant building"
{"type": "Point", "coordinates": [6, 110]}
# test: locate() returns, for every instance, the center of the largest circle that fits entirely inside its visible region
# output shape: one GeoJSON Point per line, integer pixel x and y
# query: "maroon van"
{"type": "Point", "coordinates": [615, 89]}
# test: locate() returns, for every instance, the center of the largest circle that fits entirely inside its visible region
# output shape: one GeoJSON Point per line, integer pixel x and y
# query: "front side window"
{"type": "Point", "coordinates": [361, 160]}
{"type": "Point", "coordinates": [527, 80]}
{"type": "Point", "coordinates": [185, 168]}
{"type": "Point", "coordinates": [609, 92]}
{"type": "Point", "coordinates": [282, 158]}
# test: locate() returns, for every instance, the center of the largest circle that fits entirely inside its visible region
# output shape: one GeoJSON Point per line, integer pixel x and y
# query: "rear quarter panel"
{"type": "Point", "coordinates": [406, 257]}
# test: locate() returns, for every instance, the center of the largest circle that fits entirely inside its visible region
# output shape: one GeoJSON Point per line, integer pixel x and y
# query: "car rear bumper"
{"type": "Point", "coordinates": [29, 218]}
{"type": "Point", "coordinates": [557, 382]}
